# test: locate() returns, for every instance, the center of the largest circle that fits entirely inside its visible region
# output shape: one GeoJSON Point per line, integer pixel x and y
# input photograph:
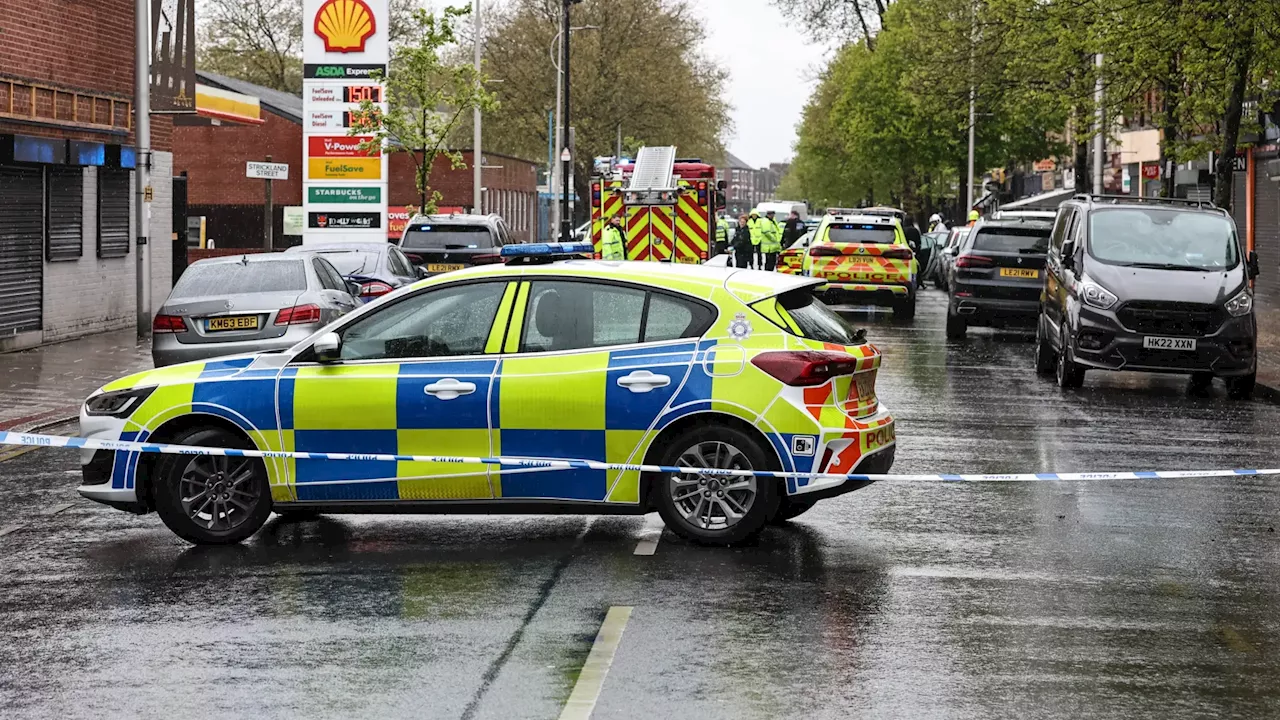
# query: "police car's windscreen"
{"type": "Point", "coordinates": [1026, 240]}
{"type": "Point", "coordinates": [447, 237]}
{"type": "Point", "coordinates": [860, 233]}
{"type": "Point", "coordinates": [236, 278]}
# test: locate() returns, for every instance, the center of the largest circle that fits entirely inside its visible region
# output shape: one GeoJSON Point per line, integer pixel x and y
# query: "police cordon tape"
{"type": "Point", "coordinates": [525, 464]}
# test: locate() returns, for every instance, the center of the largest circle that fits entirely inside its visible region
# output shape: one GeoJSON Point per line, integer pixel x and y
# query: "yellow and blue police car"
{"type": "Point", "coordinates": [630, 363]}
{"type": "Point", "coordinates": [864, 255]}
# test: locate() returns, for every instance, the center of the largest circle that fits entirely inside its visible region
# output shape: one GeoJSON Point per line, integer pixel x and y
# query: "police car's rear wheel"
{"type": "Point", "coordinates": [208, 499]}
{"type": "Point", "coordinates": [709, 507]}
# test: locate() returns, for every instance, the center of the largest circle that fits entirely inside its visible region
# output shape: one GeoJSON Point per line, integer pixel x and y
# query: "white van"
{"type": "Point", "coordinates": [783, 210]}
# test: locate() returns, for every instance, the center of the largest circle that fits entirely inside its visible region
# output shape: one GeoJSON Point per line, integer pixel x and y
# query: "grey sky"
{"type": "Point", "coordinates": [772, 68]}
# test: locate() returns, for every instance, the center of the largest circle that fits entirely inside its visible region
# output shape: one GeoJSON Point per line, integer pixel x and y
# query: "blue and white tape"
{"type": "Point", "coordinates": [526, 464]}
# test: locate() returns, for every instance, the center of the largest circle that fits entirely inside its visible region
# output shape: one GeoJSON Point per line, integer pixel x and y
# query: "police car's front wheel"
{"type": "Point", "coordinates": [710, 507]}
{"type": "Point", "coordinates": [212, 499]}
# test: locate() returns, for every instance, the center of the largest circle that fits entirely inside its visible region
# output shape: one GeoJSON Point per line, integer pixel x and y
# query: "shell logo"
{"type": "Point", "coordinates": [345, 25]}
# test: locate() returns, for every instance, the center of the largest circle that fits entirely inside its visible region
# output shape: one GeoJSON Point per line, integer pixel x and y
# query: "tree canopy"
{"type": "Point", "coordinates": [890, 117]}
{"type": "Point", "coordinates": [638, 65]}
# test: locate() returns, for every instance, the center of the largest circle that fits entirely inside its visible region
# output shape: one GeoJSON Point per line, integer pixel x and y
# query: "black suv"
{"type": "Point", "coordinates": [1148, 284]}
{"type": "Point", "coordinates": [996, 274]}
{"type": "Point", "coordinates": [440, 243]}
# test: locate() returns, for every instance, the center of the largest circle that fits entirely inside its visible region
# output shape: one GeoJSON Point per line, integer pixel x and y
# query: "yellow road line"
{"type": "Point", "coordinates": [582, 701]}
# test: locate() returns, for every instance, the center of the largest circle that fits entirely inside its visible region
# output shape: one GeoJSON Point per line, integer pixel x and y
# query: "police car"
{"type": "Point", "coordinates": [539, 357]}
{"type": "Point", "coordinates": [864, 257]}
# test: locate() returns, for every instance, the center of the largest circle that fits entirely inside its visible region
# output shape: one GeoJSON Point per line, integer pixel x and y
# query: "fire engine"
{"type": "Point", "coordinates": [667, 204]}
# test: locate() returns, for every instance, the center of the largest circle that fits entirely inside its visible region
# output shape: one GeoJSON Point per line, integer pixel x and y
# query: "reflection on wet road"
{"type": "Point", "coordinates": [1136, 599]}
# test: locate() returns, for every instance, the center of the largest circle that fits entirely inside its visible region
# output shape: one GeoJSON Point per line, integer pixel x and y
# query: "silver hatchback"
{"type": "Point", "coordinates": [248, 303]}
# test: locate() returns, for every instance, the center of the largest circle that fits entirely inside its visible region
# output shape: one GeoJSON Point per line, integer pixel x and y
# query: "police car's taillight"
{"type": "Point", "coordinates": [898, 253]}
{"type": "Point", "coordinates": [824, 251]}
{"type": "Point", "coordinates": [805, 368]}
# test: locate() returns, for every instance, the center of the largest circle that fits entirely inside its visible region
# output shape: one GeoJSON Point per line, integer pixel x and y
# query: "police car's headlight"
{"type": "Point", "coordinates": [118, 403]}
{"type": "Point", "coordinates": [1241, 304]}
{"type": "Point", "coordinates": [1097, 296]}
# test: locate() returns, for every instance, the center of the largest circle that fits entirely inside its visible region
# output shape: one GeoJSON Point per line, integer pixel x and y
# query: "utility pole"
{"type": "Point", "coordinates": [268, 224]}
{"type": "Point", "coordinates": [566, 158]}
{"type": "Point", "coordinates": [973, 107]}
{"type": "Point", "coordinates": [477, 156]}
{"type": "Point", "coordinates": [618, 156]}
{"type": "Point", "coordinates": [1100, 118]}
{"type": "Point", "coordinates": [142, 159]}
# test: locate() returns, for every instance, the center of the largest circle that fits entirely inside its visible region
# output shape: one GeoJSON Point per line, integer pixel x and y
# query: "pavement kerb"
{"type": "Point", "coordinates": [51, 419]}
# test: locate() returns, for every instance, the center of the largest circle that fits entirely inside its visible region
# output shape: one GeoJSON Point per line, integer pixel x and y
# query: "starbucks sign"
{"type": "Point", "coordinates": [343, 195]}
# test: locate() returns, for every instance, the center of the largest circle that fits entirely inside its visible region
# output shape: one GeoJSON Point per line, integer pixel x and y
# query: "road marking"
{"type": "Point", "coordinates": [60, 508]}
{"type": "Point", "coordinates": [11, 528]}
{"type": "Point", "coordinates": [582, 701]}
{"type": "Point", "coordinates": [650, 534]}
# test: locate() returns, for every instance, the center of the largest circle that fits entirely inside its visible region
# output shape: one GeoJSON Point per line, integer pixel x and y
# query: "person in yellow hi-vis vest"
{"type": "Point", "coordinates": [723, 231]}
{"type": "Point", "coordinates": [770, 241]}
{"type": "Point", "coordinates": [757, 235]}
{"type": "Point", "coordinates": [613, 241]}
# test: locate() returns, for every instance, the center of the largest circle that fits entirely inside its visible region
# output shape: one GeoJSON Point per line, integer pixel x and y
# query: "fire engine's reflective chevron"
{"type": "Point", "coordinates": [662, 232]}
{"type": "Point", "coordinates": [693, 226]}
{"type": "Point", "coordinates": [637, 232]}
{"type": "Point", "coordinates": [518, 463]}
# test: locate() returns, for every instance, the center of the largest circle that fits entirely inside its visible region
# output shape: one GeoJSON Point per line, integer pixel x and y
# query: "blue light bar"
{"type": "Point", "coordinates": [545, 249]}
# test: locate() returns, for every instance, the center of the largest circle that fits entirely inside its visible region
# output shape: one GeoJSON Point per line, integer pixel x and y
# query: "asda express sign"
{"type": "Point", "coordinates": [343, 195]}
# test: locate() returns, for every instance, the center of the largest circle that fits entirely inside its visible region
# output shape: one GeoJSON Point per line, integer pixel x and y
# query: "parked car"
{"type": "Point", "coordinates": [1148, 284]}
{"type": "Point", "coordinates": [442, 243]}
{"type": "Point", "coordinates": [377, 267]}
{"type": "Point", "coordinates": [946, 262]}
{"type": "Point", "coordinates": [791, 261]}
{"type": "Point", "coordinates": [248, 303]}
{"type": "Point", "coordinates": [930, 256]}
{"type": "Point", "coordinates": [996, 277]}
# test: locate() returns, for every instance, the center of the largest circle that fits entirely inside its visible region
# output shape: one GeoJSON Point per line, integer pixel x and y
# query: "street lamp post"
{"type": "Point", "coordinates": [566, 157]}
{"type": "Point", "coordinates": [558, 142]}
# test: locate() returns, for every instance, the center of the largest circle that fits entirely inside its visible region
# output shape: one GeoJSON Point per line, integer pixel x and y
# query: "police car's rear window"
{"type": "Point", "coordinates": [801, 314]}
{"type": "Point", "coordinates": [447, 237]}
{"type": "Point", "coordinates": [860, 233]}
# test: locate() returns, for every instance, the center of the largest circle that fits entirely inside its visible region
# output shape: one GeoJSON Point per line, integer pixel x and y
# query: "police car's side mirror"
{"type": "Point", "coordinates": [328, 347]}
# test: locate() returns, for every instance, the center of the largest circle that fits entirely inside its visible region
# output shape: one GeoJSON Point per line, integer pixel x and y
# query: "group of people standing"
{"type": "Point", "coordinates": [756, 242]}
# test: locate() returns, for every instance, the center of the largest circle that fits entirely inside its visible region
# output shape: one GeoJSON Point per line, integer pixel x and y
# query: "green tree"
{"type": "Point", "coordinates": [426, 98]}
{"type": "Point", "coordinates": [640, 67]}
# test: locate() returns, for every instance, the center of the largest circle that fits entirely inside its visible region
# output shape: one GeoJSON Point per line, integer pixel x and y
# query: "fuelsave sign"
{"type": "Point", "coordinates": [339, 146]}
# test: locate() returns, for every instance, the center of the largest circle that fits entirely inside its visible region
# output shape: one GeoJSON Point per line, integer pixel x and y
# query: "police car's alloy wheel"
{"type": "Point", "coordinates": [208, 499]}
{"type": "Point", "coordinates": [709, 507]}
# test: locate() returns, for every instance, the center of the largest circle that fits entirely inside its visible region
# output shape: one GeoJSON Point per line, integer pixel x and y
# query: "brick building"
{"type": "Point", "coordinates": [213, 159]}
{"type": "Point", "coordinates": [747, 187]}
{"type": "Point", "coordinates": [67, 255]}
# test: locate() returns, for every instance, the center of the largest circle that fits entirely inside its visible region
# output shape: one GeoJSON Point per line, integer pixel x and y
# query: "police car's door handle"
{"type": "Point", "coordinates": [642, 381]}
{"type": "Point", "coordinates": [448, 389]}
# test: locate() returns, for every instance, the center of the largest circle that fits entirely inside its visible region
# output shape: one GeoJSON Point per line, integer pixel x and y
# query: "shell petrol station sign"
{"type": "Point", "coordinates": [345, 185]}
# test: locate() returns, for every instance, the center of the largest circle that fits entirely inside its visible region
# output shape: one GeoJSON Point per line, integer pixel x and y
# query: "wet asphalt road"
{"type": "Point", "coordinates": [1142, 599]}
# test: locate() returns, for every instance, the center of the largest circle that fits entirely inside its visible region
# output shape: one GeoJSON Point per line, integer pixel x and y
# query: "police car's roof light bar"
{"type": "Point", "coordinates": [545, 252]}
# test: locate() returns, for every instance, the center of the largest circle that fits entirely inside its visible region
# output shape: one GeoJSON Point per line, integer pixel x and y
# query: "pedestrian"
{"type": "Point", "coordinates": [913, 236]}
{"type": "Point", "coordinates": [723, 231]}
{"type": "Point", "coordinates": [757, 234]}
{"type": "Point", "coordinates": [937, 224]}
{"type": "Point", "coordinates": [771, 241]}
{"type": "Point", "coordinates": [793, 230]}
{"type": "Point", "coordinates": [742, 244]}
{"type": "Point", "coordinates": [973, 217]}
{"type": "Point", "coordinates": [613, 241]}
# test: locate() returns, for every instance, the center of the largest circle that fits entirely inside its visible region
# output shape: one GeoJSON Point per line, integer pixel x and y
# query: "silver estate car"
{"type": "Point", "coordinates": [248, 303]}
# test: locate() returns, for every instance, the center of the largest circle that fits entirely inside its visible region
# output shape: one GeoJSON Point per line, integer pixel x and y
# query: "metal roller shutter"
{"type": "Point", "coordinates": [1267, 237]}
{"type": "Point", "coordinates": [66, 213]}
{"type": "Point", "coordinates": [113, 213]}
{"type": "Point", "coordinates": [21, 246]}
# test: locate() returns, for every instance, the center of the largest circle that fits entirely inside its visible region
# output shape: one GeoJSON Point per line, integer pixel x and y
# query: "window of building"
{"type": "Point", "coordinates": [113, 213]}
{"type": "Point", "coordinates": [64, 213]}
